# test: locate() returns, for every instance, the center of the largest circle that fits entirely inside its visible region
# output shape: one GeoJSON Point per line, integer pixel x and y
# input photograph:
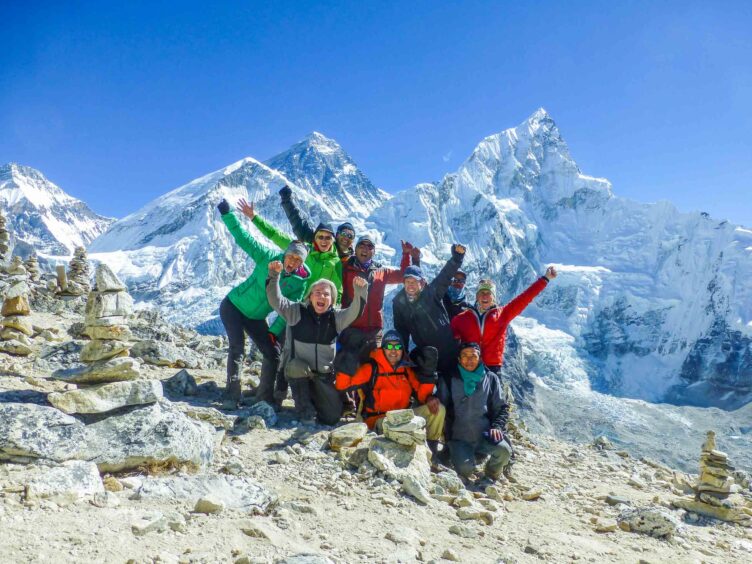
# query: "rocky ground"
{"type": "Point", "coordinates": [272, 490]}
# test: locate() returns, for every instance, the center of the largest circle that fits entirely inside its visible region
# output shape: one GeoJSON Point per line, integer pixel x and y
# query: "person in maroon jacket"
{"type": "Point", "coordinates": [486, 322]}
{"type": "Point", "coordinates": [365, 332]}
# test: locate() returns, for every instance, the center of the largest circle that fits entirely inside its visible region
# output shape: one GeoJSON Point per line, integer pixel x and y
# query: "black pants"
{"type": "Point", "coordinates": [237, 325]}
{"type": "Point", "coordinates": [317, 395]}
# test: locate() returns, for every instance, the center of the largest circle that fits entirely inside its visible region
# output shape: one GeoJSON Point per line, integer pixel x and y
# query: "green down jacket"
{"type": "Point", "coordinates": [250, 296]}
{"type": "Point", "coordinates": [322, 265]}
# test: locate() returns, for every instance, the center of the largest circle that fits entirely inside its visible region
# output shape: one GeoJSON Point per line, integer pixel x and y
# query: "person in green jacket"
{"type": "Point", "coordinates": [323, 259]}
{"type": "Point", "coordinates": [246, 307]}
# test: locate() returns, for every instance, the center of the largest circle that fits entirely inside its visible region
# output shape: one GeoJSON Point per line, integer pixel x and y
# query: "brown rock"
{"type": "Point", "coordinates": [18, 305]}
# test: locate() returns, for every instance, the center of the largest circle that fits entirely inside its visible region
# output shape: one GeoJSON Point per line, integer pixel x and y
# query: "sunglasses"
{"type": "Point", "coordinates": [393, 347]}
{"type": "Point", "coordinates": [458, 280]}
{"type": "Point", "coordinates": [324, 237]}
{"type": "Point", "coordinates": [366, 245]}
{"type": "Point", "coordinates": [347, 234]}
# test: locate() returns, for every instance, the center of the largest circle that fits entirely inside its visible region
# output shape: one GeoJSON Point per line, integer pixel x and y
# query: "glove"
{"type": "Point", "coordinates": [223, 207]}
{"type": "Point", "coordinates": [426, 360]}
{"type": "Point", "coordinates": [285, 192]}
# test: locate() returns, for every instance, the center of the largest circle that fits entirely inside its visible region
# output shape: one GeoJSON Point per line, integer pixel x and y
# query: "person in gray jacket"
{"type": "Point", "coordinates": [477, 415]}
{"type": "Point", "coordinates": [311, 334]}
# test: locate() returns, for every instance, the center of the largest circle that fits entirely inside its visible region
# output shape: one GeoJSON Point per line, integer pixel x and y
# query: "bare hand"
{"type": "Point", "coordinates": [246, 209]}
{"type": "Point", "coordinates": [406, 247]}
{"type": "Point", "coordinates": [459, 249]}
{"type": "Point", "coordinates": [551, 273]}
{"type": "Point", "coordinates": [433, 404]}
{"type": "Point", "coordinates": [275, 267]}
{"type": "Point", "coordinates": [415, 254]}
{"type": "Point", "coordinates": [496, 435]}
{"type": "Point", "coordinates": [359, 282]}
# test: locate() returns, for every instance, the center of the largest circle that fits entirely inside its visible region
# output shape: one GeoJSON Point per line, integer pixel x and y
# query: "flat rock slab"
{"type": "Point", "coordinates": [106, 397]}
{"type": "Point", "coordinates": [235, 492]}
{"type": "Point", "coordinates": [29, 432]}
{"type": "Point", "coordinates": [208, 415]}
{"type": "Point", "coordinates": [162, 353]}
{"type": "Point", "coordinates": [112, 370]}
{"type": "Point", "coordinates": [347, 435]}
{"type": "Point", "coordinates": [106, 280]}
{"type": "Point", "coordinates": [66, 483]}
{"type": "Point", "coordinates": [156, 434]}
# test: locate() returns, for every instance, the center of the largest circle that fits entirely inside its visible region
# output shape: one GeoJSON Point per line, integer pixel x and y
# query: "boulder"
{"type": "Point", "coordinates": [179, 385]}
{"type": "Point", "coordinates": [30, 432]}
{"type": "Point", "coordinates": [411, 465]}
{"type": "Point", "coordinates": [66, 483]}
{"type": "Point", "coordinates": [107, 304]}
{"type": "Point", "coordinates": [156, 434]}
{"type": "Point", "coordinates": [265, 411]}
{"type": "Point", "coordinates": [207, 414]}
{"type": "Point", "coordinates": [15, 347]}
{"type": "Point", "coordinates": [162, 353]}
{"type": "Point", "coordinates": [653, 521]}
{"type": "Point", "coordinates": [112, 370]}
{"type": "Point", "coordinates": [412, 432]}
{"type": "Point", "coordinates": [18, 305]}
{"type": "Point", "coordinates": [235, 492]}
{"type": "Point", "coordinates": [347, 435]}
{"type": "Point", "coordinates": [119, 332]}
{"type": "Point", "coordinates": [20, 323]}
{"type": "Point", "coordinates": [209, 505]}
{"type": "Point", "coordinates": [398, 417]}
{"type": "Point", "coordinates": [102, 350]}
{"type": "Point", "coordinates": [18, 289]}
{"type": "Point", "coordinates": [106, 397]}
{"type": "Point", "coordinates": [106, 280]}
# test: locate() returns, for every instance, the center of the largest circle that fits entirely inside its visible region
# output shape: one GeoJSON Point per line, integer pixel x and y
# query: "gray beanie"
{"type": "Point", "coordinates": [297, 248]}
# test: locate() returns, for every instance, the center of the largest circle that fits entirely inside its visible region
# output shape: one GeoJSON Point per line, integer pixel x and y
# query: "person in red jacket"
{"type": "Point", "coordinates": [389, 383]}
{"type": "Point", "coordinates": [365, 333]}
{"type": "Point", "coordinates": [486, 322]}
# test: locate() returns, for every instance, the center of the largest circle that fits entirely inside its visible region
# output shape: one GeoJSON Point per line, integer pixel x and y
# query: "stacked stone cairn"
{"type": "Point", "coordinates": [106, 355]}
{"type": "Point", "coordinates": [17, 268]}
{"type": "Point", "coordinates": [4, 239]}
{"type": "Point", "coordinates": [32, 268]}
{"type": "Point", "coordinates": [76, 281]}
{"type": "Point", "coordinates": [716, 495]}
{"type": "Point", "coordinates": [16, 323]}
{"type": "Point", "coordinates": [404, 427]}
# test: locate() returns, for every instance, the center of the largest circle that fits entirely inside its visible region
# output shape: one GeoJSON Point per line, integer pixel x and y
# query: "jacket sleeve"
{"type": "Point", "coordinates": [278, 326]}
{"type": "Point", "coordinates": [360, 379]}
{"type": "Point", "coordinates": [422, 391]}
{"type": "Point", "coordinates": [272, 233]}
{"type": "Point", "coordinates": [518, 304]}
{"type": "Point", "coordinates": [301, 226]}
{"type": "Point", "coordinates": [456, 325]}
{"type": "Point", "coordinates": [443, 279]}
{"type": "Point", "coordinates": [400, 323]}
{"type": "Point", "coordinates": [498, 409]}
{"type": "Point", "coordinates": [287, 310]}
{"type": "Point", "coordinates": [444, 393]}
{"type": "Point", "coordinates": [344, 317]}
{"type": "Point", "coordinates": [396, 275]}
{"type": "Point", "coordinates": [258, 252]}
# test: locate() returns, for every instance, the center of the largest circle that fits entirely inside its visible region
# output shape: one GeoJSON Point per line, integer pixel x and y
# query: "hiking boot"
{"type": "Point", "coordinates": [232, 395]}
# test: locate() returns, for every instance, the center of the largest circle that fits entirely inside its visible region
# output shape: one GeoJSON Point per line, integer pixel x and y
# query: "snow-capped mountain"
{"type": "Point", "coordinates": [42, 216]}
{"type": "Point", "coordinates": [176, 253]}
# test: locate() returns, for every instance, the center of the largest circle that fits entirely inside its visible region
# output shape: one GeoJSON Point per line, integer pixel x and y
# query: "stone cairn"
{"type": "Point", "coordinates": [4, 239]}
{"type": "Point", "coordinates": [76, 281]}
{"type": "Point", "coordinates": [716, 495]}
{"type": "Point", "coordinates": [17, 268]}
{"type": "Point", "coordinates": [107, 353]}
{"type": "Point", "coordinates": [404, 427]}
{"type": "Point", "coordinates": [16, 323]}
{"type": "Point", "coordinates": [32, 268]}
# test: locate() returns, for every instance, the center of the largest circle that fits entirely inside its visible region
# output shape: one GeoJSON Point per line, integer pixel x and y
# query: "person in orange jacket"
{"type": "Point", "coordinates": [388, 383]}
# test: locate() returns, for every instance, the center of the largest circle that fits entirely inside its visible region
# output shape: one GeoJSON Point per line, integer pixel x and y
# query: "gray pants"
{"type": "Point", "coordinates": [463, 456]}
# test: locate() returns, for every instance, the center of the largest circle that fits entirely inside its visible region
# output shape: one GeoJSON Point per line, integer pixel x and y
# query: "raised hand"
{"type": "Point", "coordinates": [407, 247]}
{"type": "Point", "coordinates": [359, 282]}
{"type": "Point", "coordinates": [246, 209]}
{"type": "Point", "coordinates": [223, 207]}
{"type": "Point", "coordinates": [551, 273]}
{"type": "Point", "coordinates": [458, 250]}
{"type": "Point", "coordinates": [275, 267]}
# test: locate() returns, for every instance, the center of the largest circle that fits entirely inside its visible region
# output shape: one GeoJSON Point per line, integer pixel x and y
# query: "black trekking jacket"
{"type": "Point", "coordinates": [455, 308]}
{"type": "Point", "coordinates": [302, 227]}
{"type": "Point", "coordinates": [426, 319]}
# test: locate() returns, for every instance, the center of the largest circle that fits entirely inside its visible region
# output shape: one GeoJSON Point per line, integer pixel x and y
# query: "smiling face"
{"type": "Point", "coordinates": [324, 241]}
{"type": "Point", "coordinates": [413, 286]}
{"type": "Point", "coordinates": [345, 239]}
{"type": "Point", "coordinates": [393, 352]}
{"type": "Point", "coordinates": [469, 359]}
{"type": "Point", "coordinates": [485, 299]}
{"type": "Point", "coordinates": [364, 252]}
{"type": "Point", "coordinates": [292, 263]}
{"type": "Point", "coordinates": [321, 297]}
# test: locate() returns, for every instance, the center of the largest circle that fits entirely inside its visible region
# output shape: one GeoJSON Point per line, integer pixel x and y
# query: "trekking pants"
{"type": "Point", "coordinates": [317, 395]}
{"type": "Point", "coordinates": [237, 325]}
{"type": "Point", "coordinates": [463, 456]}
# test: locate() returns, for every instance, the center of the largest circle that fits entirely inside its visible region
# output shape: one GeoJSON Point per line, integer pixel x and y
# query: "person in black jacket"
{"type": "Point", "coordinates": [454, 300]}
{"type": "Point", "coordinates": [419, 310]}
{"type": "Point", "coordinates": [477, 415]}
{"type": "Point", "coordinates": [305, 230]}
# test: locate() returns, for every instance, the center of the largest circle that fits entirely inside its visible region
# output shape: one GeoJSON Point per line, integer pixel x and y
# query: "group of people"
{"type": "Point", "coordinates": [329, 347]}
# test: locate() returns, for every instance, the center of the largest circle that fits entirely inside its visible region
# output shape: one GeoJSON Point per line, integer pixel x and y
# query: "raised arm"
{"type": "Point", "coordinates": [287, 310]}
{"type": "Point", "coordinates": [400, 323]}
{"type": "Point", "coordinates": [276, 236]}
{"type": "Point", "coordinates": [344, 317]}
{"type": "Point", "coordinates": [443, 279]}
{"type": "Point", "coordinates": [518, 304]}
{"type": "Point", "coordinates": [257, 251]}
{"type": "Point", "coordinates": [301, 226]}
{"type": "Point", "coordinates": [395, 275]}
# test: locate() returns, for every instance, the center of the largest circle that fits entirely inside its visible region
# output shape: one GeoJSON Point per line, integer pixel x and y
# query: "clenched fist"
{"type": "Point", "coordinates": [551, 273]}
{"type": "Point", "coordinates": [275, 267]}
{"type": "Point", "coordinates": [359, 282]}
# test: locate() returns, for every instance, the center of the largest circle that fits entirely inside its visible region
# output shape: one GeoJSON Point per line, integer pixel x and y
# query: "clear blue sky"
{"type": "Point", "coordinates": [118, 102]}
